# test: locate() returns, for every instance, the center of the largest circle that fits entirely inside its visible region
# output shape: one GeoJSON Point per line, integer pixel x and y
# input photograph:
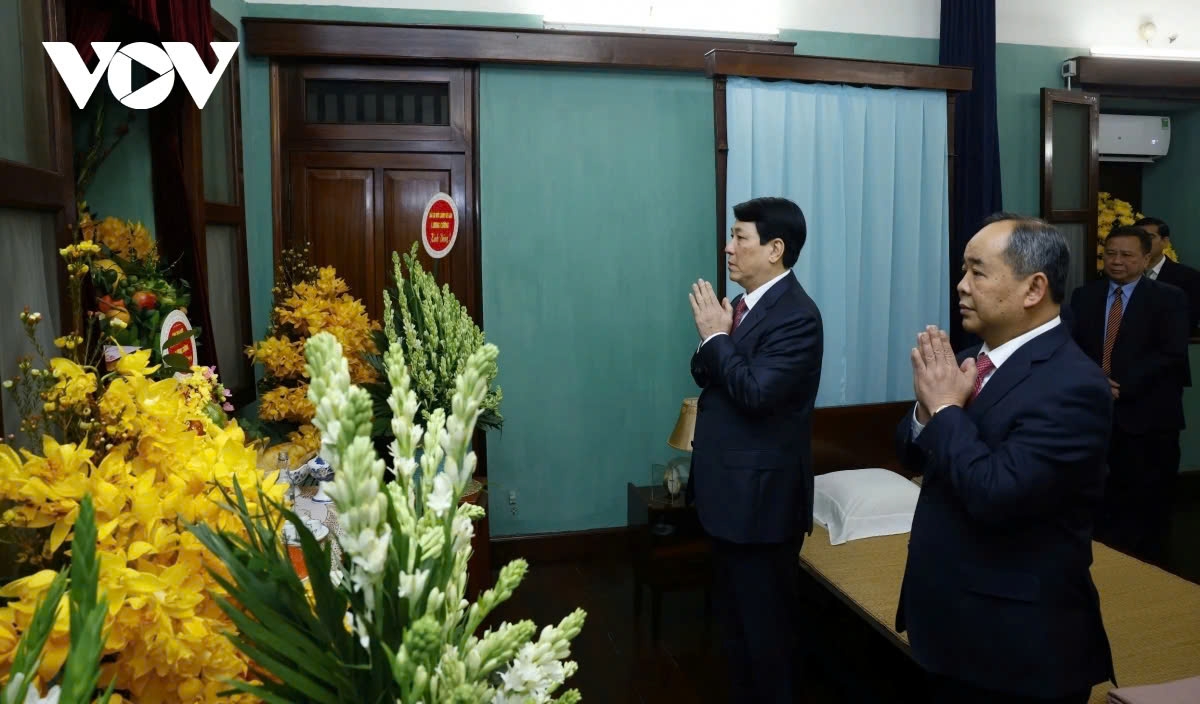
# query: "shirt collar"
{"type": "Point", "coordinates": [1157, 268]}
{"type": "Point", "coordinates": [1127, 289]}
{"type": "Point", "coordinates": [1001, 354]}
{"type": "Point", "coordinates": [752, 298]}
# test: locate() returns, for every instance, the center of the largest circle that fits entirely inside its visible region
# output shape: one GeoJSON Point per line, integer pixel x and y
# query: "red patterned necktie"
{"type": "Point", "coordinates": [1110, 335]}
{"type": "Point", "coordinates": [983, 365]}
{"type": "Point", "coordinates": [739, 312]}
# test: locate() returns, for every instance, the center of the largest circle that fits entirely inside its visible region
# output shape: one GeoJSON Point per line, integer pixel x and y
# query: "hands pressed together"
{"type": "Point", "coordinates": [938, 379]}
{"type": "Point", "coordinates": [712, 316]}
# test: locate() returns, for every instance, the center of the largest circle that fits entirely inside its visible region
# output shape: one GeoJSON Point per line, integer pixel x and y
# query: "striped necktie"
{"type": "Point", "coordinates": [1111, 330]}
{"type": "Point", "coordinates": [739, 312]}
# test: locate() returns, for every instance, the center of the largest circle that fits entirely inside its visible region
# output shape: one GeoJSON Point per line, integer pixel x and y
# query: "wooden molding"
{"type": "Point", "coordinates": [346, 40]}
{"type": "Point", "coordinates": [821, 69]}
{"type": "Point", "coordinates": [1160, 79]}
{"type": "Point", "coordinates": [557, 547]}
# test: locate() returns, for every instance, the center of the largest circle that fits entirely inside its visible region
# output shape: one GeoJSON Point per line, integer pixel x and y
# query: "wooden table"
{"type": "Point", "coordinates": [670, 551]}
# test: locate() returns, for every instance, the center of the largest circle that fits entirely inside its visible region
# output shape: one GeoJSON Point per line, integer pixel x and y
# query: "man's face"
{"type": "Point", "coordinates": [1124, 260]}
{"type": "Point", "coordinates": [990, 298]}
{"type": "Point", "coordinates": [1157, 242]}
{"type": "Point", "coordinates": [748, 259]}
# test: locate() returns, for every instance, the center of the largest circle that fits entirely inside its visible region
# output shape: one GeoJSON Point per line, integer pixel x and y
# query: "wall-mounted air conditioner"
{"type": "Point", "coordinates": [1137, 138]}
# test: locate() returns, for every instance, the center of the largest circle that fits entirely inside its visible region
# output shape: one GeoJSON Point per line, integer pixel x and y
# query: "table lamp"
{"type": "Point", "coordinates": [685, 427]}
{"type": "Point", "coordinates": [675, 474]}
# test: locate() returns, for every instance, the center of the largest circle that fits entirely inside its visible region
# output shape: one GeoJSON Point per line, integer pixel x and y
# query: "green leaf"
{"type": "Point", "coordinates": [29, 650]}
{"type": "Point", "coordinates": [180, 337]}
{"type": "Point", "coordinates": [176, 362]}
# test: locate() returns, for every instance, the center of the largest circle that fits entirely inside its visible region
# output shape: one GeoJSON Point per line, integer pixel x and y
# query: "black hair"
{"type": "Point", "coordinates": [776, 218]}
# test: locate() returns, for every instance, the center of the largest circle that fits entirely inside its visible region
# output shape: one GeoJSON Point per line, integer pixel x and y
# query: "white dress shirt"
{"type": "Point", "coordinates": [1155, 270]}
{"type": "Point", "coordinates": [999, 356]}
{"type": "Point", "coordinates": [751, 298]}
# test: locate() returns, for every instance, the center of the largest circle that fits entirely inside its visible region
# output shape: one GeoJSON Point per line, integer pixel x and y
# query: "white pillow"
{"type": "Point", "coordinates": [864, 503]}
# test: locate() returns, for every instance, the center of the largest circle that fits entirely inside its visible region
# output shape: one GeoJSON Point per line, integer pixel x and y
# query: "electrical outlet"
{"type": "Point", "coordinates": [512, 501]}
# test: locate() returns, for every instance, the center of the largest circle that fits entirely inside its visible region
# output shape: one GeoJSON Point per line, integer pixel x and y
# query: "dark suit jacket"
{"type": "Point", "coordinates": [997, 591]}
{"type": "Point", "coordinates": [751, 478]}
{"type": "Point", "coordinates": [1188, 280]}
{"type": "Point", "coordinates": [1150, 357]}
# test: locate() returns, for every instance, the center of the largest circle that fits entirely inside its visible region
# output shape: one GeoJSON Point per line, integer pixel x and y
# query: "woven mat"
{"type": "Point", "coordinates": [1152, 617]}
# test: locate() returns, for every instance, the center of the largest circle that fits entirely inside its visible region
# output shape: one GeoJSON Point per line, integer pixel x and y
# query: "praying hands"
{"type": "Point", "coordinates": [938, 380]}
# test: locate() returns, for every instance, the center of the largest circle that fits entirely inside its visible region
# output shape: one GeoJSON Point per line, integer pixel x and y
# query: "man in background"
{"type": "Point", "coordinates": [1136, 329]}
{"type": "Point", "coordinates": [759, 366]}
{"type": "Point", "coordinates": [1010, 438]}
{"type": "Point", "coordinates": [1168, 272]}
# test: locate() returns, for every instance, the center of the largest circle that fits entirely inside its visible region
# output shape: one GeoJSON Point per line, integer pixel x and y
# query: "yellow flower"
{"type": "Point", "coordinates": [165, 631]}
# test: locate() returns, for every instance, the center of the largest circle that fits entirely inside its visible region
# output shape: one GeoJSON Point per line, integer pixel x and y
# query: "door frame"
{"type": "Point", "coordinates": [1087, 215]}
{"type": "Point", "coordinates": [463, 138]}
{"type": "Point", "coordinates": [282, 74]}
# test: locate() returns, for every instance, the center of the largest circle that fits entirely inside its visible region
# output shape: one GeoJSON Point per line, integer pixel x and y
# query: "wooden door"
{"type": "Point", "coordinates": [1071, 175]}
{"type": "Point", "coordinates": [355, 208]}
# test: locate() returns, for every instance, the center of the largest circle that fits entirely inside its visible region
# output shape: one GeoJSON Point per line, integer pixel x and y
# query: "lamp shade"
{"type": "Point", "coordinates": [685, 427]}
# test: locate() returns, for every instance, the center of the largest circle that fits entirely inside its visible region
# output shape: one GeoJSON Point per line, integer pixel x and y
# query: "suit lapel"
{"type": "Point", "coordinates": [1133, 317]}
{"type": "Point", "coordinates": [1016, 369]}
{"type": "Point", "coordinates": [1096, 312]}
{"type": "Point", "coordinates": [760, 309]}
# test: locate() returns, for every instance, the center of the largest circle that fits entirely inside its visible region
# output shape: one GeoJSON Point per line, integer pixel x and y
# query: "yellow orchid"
{"type": "Point", "coordinates": [160, 470]}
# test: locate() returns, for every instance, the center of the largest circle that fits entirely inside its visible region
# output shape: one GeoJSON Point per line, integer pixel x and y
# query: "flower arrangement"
{"type": "Point", "coordinates": [437, 337]}
{"type": "Point", "coordinates": [134, 292]}
{"type": "Point", "coordinates": [388, 621]}
{"type": "Point", "coordinates": [1114, 212]}
{"type": "Point", "coordinates": [80, 671]}
{"type": "Point", "coordinates": [307, 301]}
{"type": "Point", "coordinates": [150, 454]}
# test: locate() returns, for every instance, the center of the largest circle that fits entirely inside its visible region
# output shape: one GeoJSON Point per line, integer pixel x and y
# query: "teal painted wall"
{"type": "Point", "coordinates": [123, 185]}
{"type": "Point", "coordinates": [1171, 184]}
{"type": "Point", "coordinates": [872, 47]}
{"type": "Point", "coordinates": [588, 252]}
{"type": "Point", "coordinates": [1021, 73]}
{"type": "Point", "coordinates": [1169, 190]}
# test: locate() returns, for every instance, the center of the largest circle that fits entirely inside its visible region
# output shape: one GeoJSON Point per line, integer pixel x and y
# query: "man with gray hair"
{"type": "Point", "coordinates": [1010, 440]}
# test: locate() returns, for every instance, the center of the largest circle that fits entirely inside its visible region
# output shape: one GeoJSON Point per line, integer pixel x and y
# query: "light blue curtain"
{"type": "Point", "coordinates": [868, 168]}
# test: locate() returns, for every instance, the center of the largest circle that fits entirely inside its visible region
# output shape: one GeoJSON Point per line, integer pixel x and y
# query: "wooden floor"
{"type": "Point", "coordinates": [618, 663]}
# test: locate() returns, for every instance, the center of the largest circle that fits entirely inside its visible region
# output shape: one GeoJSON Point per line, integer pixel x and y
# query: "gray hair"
{"type": "Point", "coordinates": [1036, 246]}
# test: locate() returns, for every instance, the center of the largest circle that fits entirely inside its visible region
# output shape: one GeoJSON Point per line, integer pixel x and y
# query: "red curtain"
{"type": "Point", "coordinates": [180, 240]}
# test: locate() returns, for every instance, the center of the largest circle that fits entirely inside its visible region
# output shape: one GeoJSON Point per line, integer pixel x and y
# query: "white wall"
{"type": "Point", "coordinates": [1069, 23]}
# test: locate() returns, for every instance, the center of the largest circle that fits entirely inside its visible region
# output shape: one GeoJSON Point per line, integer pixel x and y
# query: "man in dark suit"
{"type": "Point", "coordinates": [1010, 438]}
{"type": "Point", "coordinates": [1136, 329]}
{"type": "Point", "coordinates": [1168, 272]}
{"type": "Point", "coordinates": [759, 365]}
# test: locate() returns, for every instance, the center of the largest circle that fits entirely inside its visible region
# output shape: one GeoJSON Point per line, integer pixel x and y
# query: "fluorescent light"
{"type": "Point", "coordinates": [1137, 53]}
{"type": "Point", "coordinates": [755, 18]}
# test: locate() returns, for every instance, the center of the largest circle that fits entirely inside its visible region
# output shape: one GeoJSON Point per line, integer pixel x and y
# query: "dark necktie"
{"type": "Point", "coordinates": [739, 312]}
{"type": "Point", "coordinates": [983, 365]}
{"type": "Point", "coordinates": [1113, 327]}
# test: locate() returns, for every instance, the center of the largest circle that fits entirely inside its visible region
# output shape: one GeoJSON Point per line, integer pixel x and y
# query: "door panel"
{"type": "Point", "coordinates": [1071, 174]}
{"type": "Point", "coordinates": [334, 211]}
{"type": "Point", "coordinates": [356, 208]}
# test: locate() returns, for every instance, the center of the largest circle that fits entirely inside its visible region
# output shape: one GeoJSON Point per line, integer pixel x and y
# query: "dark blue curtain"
{"type": "Point", "coordinates": [968, 38]}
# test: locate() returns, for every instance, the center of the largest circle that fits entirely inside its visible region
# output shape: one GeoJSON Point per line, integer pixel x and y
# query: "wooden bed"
{"type": "Point", "coordinates": [1152, 617]}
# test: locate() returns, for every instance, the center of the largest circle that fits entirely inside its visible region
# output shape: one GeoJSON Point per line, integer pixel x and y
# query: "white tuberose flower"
{"type": "Point", "coordinates": [443, 494]}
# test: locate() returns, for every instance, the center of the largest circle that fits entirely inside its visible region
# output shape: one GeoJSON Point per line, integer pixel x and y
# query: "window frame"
{"type": "Point", "coordinates": [229, 214]}
{"type": "Point", "coordinates": [48, 190]}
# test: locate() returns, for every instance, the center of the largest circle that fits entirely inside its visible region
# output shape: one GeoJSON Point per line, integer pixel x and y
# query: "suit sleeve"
{"type": "Point", "coordinates": [699, 372]}
{"type": "Point", "coordinates": [1072, 314]}
{"type": "Point", "coordinates": [1022, 477]}
{"type": "Point", "coordinates": [781, 367]}
{"type": "Point", "coordinates": [911, 456]}
{"type": "Point", "coordinates": [1168, 355]}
